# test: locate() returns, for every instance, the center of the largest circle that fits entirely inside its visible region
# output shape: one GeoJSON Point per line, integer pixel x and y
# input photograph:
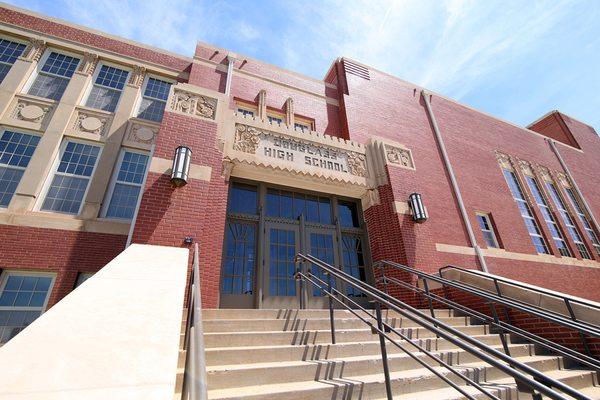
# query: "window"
{"type": "Point", "coordinates": [566, 217]}
{"type": "Point", "coordinates": [525, 210]}
{"type": "Point", "coordinates": [348, 214]}
{"type": "Point", "coordinates": [82, 277]}
{"type": "Point", "coordinates": [548, 217]}
{"type": "Point", "coordinates": [245, 113]}
{"type": "Point", "coordinates": [584, 219]}
{"type": "Point", "coordinates": [242, 199]}
{"type": "Point", "coordinates": [23, 297]}
{"type": "Point", "coordinates": [274, 120]}
{"type": "Point", "coordinates": [239, 259]}
{"type": "Point", "coordinates": [126, 185]}
{"type": "Point", "coordinates": [487, 229]}
{"type": "Point", "coordinates": [107, 88]}
{"type": "Point", "coordinates": [72, 176]}
{"type": "Point", "coordinates": [9, 52]}
{"type": "Point", "coordinates": [154, 99]}
{"type": "Point", "coordinates": [16, 150]}
{"type": "Point", "coordinates": [54, 76]}
{"type": "Point", "coordinates": [301, 127]}
{"type": "Point", "coordinates": [290, 205]}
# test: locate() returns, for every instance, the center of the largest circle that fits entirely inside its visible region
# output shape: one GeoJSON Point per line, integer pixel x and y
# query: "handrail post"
{"type": "Point", "coordinates": [499, 292]}
{"type": "Point", "coordinates": [501, 330]}
{"type": "Point", "coordinates": [384, 357]}
{"type": "Point", "coordinates": [331, 317]}
{"type": "Point", "coordinates": [426, 286]}
{"type": "Point", "coordinates": [586, 346]}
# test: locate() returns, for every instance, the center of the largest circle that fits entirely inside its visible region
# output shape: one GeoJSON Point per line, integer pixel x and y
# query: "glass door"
{"type": "Point", "coordinates": [321, 243]}
{"type": "Point", "coordinates": [282, 243]}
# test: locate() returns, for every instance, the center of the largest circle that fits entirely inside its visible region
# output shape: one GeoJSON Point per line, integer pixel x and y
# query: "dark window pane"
{"type": "Point", "coordinates": [273, 200]}
{"type": "Point", "coordinates": [287, 208]}
{"type": "Point", "coordinates": [243, 199]}
{"type": "Point", "coordinates": [324, 210]}
{"type": "Point", "coordinates": [312, 209]}
{"type": "Point", "coordinates": [348, 214]}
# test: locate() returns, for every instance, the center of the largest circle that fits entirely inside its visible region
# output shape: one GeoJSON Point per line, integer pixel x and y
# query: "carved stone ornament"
{"type": "Point", "coordinates": [563, 179]}
{"type": "Point", "coordinates": [246, 139]}
{"type": "Point", "coordinates": [87, 123]}
{"type": "Point", "coordinates": [142, 134]}
{"type": "Point", "coordinates": [35, 49]}
{"type": "Point", "coordinates": [503, 160]}
{"type": "Point", "coordinates": [30, 112]}
{"type": "Point", "coordinates": [357, 164]}
{"type": "Point", "coordinates": [137, 76]}
{"type": "Point", "coordinates": [398, 156]}
{"type": "Point", "coordinates": [227, 168]}
{"type": "Point", "coordinates": [88, 63]}
{"type": "Point", "coordinates": [526, 167]}
{"type": "Point", "coordinates": [544, 173]}
{"type": "Point", "coordinates": [193, 104]}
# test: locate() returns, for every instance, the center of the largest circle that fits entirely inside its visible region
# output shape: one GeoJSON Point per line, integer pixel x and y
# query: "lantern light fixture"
{"type": "Point", "coordinates": [419, 212]}
{"type": "Point", "coordinates": [181, 166]}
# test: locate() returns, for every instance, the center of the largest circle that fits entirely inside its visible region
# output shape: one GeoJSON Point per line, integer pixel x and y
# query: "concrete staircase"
{"type": "Point", "coordinates": [287, 354]}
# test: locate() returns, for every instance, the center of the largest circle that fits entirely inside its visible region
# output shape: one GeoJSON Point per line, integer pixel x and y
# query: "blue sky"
{"type": "Point", "coordinates": [516, 60]}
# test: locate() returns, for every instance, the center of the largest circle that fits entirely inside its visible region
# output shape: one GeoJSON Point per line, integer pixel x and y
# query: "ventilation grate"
{"type": "Point", "coordinates": [356, 69]}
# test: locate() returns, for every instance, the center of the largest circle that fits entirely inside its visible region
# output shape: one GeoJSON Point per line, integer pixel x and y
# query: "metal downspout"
{"type": "Point", "coordinates": [455, 188]}
{"type": "Point", "coordinates": [568, 172]}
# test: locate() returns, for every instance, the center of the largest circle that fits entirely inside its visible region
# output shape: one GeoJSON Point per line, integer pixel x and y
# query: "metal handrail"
{"type": "Point", "coordinates": [503, 326]}
{"type": "Point", "coordinates": [581, 327]}
{"type": "Point", "coordinates": [194, 380]}
{"type": "Point", "coordinates": [568, 300]}
{"type": "Point", "coordinates": [537, 382]}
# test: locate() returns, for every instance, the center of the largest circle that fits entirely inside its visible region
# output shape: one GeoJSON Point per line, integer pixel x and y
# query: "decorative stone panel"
{"type": "Point", "coordinates": [504, 160]}
{"type": "Point", "coordinates": [29, 112]}
{"type": "Point", "coordinates": [140, 134]}
{"type": "Point", "coordinates": [192, 104]}
{"type": "Point", "coordinates": [399, 156]}
{"type": "Point", "coordinates": [90, 124]}
{"type": "Point", "coordinates": [34, 50]}
{"type": "Point", "coordinates": [137, 76]}
{"type": "Point", "coordinates": [88, 64]}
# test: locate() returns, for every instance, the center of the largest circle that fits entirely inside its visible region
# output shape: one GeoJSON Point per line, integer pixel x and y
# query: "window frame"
{"type": "Point", "coordinates": [113, 181]}
{"type": "Point", "coordinates": [50, 176]}
{"type": "Point", "coordinates": [92, 83]}
{"type": "Point", "coordinates": [492, 230]}
{"type": "Point", "coordinates": [25, 132]}
{"type": "Point", "coordinates": [270, 115]}
{"type": "Point", "coordinates": [6, 273]}
{"type": "Point", "coordinates": [141, 96]}
{"type": "Point", "coordinates": [38, 69]}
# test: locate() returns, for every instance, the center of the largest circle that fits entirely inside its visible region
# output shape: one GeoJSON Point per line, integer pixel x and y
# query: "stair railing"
{"type": "Point", "coordinates": [567, 300]}
{"type": "Point", "coordinates": [194, 379]}
{"type": "Point", "coordinates": [526, 377]}
{"type": "Point", "coordinates": [586, 360]}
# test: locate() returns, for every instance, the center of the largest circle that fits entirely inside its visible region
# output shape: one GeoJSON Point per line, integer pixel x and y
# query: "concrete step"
{"type": "Point", "coordinates": [256, 354]}
{"type": "Point", "coordinates": [226, 376]}
{"type": "Point", "coordinates": [227, 339]}
{"type": "Point", "coordinates": [404, 383]}
{"type": "Point", "coordinates": [303, 324]}
{"type": "Point", "coordinates": [213, 313]}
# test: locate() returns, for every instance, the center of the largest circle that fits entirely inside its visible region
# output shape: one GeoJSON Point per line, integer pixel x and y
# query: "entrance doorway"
{"type": "Point", "coordinates": [268, 225]}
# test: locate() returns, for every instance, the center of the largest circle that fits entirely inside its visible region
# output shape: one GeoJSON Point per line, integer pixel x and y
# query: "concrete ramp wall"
{"type": "Point", "coordinates": [115, 337]}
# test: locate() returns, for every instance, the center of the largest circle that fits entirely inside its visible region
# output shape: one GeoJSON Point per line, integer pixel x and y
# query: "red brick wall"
{"type": "Point", "coordinates": [167, 215]}
{"type": "Point", "coordinates": [471, 138]}
{"type": "Point", "coordinates": [65, 253]}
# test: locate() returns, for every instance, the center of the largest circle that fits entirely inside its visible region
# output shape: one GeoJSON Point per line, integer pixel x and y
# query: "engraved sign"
{"type": "Point", "coordinates": [301, 153]}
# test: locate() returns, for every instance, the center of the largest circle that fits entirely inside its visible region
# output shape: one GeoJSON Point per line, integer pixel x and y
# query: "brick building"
{"type": "Point", "coordinates": [280, 163]}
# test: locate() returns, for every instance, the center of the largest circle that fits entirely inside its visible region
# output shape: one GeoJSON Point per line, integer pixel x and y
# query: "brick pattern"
{"type": "Point", "coordinates": [65, 253]}
{"type": "Point", "coordinates": [167, 215]}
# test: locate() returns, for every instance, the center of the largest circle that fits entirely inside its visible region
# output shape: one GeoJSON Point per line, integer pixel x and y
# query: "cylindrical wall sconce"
{"type": "Point", "coordinates": [181, 166]}
{"type": "Point", "coordinates": [419, 212]}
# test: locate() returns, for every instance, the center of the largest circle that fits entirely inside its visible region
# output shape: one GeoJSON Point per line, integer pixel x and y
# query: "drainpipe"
{"type": "Point", "coordinates": [455, 188]}
{"type": "Point", "coordinates": [230, 62]}
{"type": "Point", "coordinates": [568, 172]}
{"type": "Point", "coordinates": [139, 199]}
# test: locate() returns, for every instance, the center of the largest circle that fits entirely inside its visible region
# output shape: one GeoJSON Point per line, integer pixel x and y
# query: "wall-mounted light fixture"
{"type": "Point", "coordinates": [181, 166]}
{"type": "Point", "coordinates": [419, 212]}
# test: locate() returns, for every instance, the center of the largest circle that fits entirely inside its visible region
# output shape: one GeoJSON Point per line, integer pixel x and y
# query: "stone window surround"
{"type": "Point", "coordinates": [94, 76]}
{"type": "Point", "coordinates": [140, 96]}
